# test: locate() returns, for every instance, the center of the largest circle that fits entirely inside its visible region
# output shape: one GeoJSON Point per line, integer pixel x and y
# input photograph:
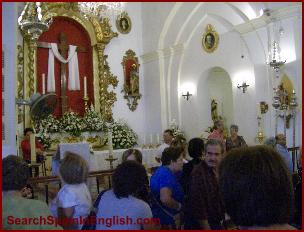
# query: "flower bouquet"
{"type": "Point", "coordinates": [123, 136]}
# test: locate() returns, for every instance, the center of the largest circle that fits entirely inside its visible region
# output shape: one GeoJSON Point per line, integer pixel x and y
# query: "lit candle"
{"type": "Point", "coordinates": [151, 138]}
{"type": "Point", "coordinates": [43, 83]}
{"type": "Point", "coordinates": [293, 91]}
{"type": "Point", "coordinates": [85, 86]}
{"type": "Point", "coordinates": [33, 147]}
{"type": "Point", "coordinates": [157, 136]}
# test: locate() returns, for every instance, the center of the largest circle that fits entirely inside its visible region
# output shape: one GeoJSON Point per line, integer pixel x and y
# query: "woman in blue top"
{"type": "Point", "coordinates": [167, 192]}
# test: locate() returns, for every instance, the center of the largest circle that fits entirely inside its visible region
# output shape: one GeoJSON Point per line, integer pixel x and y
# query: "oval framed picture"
{"type": "Point", "coordinates": [210, 39]}
{"type": "Point", "coordinates": [123, 23]}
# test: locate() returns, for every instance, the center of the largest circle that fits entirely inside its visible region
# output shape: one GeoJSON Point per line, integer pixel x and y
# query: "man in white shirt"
{"type": "Point", "coordinates": [168, 138]}
{"type": "Point", "coordinates": [282, 150]}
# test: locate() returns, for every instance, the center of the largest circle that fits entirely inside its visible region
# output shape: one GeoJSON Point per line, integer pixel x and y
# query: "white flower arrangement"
{"type": "Point", "coordinates": [92, 121]}
{"type": "Point", "coordinates": [46, 126]}
{"type": "Point", "coordinates": [123, 136]}
{"type": "Point", "coordinates": [72, 123]}
{"type": "Point", "coordinates": [175, 129]}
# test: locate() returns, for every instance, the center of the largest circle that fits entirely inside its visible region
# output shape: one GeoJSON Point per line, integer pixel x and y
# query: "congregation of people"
{"type": "Point", "coordinates": [214, 184]}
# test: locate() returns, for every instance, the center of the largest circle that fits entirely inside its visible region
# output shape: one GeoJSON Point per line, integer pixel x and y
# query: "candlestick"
{"type": "Point", "coordinates": [43, 83]}
{"type": "Point", "coordinates": [85, 99]}
{"type": "Point", "coordinates": [85, 86]}
{"type": "Point", "coordinates": [33, 147]}
{"type": "Point", "coordinates": [259, 109]}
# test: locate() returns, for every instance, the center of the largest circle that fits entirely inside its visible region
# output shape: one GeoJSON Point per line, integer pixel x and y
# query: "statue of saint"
{"type": "Point", "coordinates": [214, 114]}
{"type": "Point", "coordinates": [283, 94]}
{"type": "Point", "coordinates": [134, 81]}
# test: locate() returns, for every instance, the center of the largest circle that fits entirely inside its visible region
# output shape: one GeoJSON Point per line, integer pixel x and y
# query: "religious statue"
{"type": "Point", "coordinates": [283, 94]}
{"type": "Point", "coordinates": [263, 107]}
{"type": "Point", "coordinates": [214, 114]}
{"type": "Point", "coordinates": [134, 81]}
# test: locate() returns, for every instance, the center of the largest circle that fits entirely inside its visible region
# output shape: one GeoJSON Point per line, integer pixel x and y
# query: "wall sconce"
{"type": "Point", "coordinates": [243, 86]}
{"type": "Point", "coordinates": [187, 96]}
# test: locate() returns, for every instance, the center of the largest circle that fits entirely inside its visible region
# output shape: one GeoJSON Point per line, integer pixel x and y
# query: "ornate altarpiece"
{"type": "Point", "coordinates": [100, 34]}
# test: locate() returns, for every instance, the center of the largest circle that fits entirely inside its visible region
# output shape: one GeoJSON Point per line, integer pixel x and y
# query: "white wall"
{"type": "Point", "coordinates": [116, 50]}
{"type": "Point", "coordinates": [9, 21]}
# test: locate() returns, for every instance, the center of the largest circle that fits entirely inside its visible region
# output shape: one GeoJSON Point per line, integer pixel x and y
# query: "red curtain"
{"type": "Point", "coordinates": [78, 36]}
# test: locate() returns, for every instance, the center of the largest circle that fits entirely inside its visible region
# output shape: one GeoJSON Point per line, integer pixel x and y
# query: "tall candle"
{"type": "Point", "coordinates": [33, 147]}
{"type": "Point", "coordinates": [151, 138]}
{"type": "Point", "coordinates": [43, 83]}
{"type": "Point", "coordinates": [158, 140]}
{"type": "Point", "coordinates": [110, 142]}
{"type": "Point", "coordinates": [85, 86]}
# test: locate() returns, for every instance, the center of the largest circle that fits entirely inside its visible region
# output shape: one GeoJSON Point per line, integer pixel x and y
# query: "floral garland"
{"type": "Point", "coordinates": [123, 136]}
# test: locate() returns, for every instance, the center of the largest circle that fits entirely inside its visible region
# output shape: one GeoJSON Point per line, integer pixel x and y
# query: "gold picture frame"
{"type": "Point", "coordinates": [210, 39]}
{"type": "Point", "coordinates": [123, 23]}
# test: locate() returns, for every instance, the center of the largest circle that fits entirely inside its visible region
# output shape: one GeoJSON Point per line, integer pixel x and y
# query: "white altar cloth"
{"type": "Point", "coordinates": [98, 161]}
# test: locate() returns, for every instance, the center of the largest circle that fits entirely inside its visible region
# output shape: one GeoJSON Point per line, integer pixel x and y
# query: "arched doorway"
{"type": "Point", "coordinates": [219, 89]}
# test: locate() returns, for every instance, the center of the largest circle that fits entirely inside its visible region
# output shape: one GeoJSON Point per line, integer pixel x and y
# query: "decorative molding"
{"type": "Point", "coordinates": [252, 25]}
{"type": "Point", "coordinates": [32, 48]}
{"type": "Point", "coordinates": [20, 80]}
{"type": "Point", "coordinates": [163, 53]}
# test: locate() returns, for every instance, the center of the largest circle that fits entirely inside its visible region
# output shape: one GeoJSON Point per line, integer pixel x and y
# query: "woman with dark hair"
{"type": "Point", "coordinates": [73, 201]}
{"type": "Point", "coordinates": [256, 188]}
{"type": "Point", "coordinates": [181, 142]}
{"type": "Point", "coordinates": [14, 179]}
{"type": "Point", "coordinates": [195, 150]}
{"type": "Point", "coordinates": [167, 192]}
{"type": "Point", "coordinates": [132, 154]}
{"type": "Point", "coordinates": [234, 140]}
{"type": "Point", "coordinates": [122, 202]}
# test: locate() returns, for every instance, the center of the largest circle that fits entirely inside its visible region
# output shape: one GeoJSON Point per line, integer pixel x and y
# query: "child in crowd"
{"type": "Point", "coordinates": [73, 200]}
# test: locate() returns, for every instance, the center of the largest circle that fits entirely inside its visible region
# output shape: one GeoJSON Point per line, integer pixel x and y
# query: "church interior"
{"type": "Point", "coordinates": [99, 79]}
